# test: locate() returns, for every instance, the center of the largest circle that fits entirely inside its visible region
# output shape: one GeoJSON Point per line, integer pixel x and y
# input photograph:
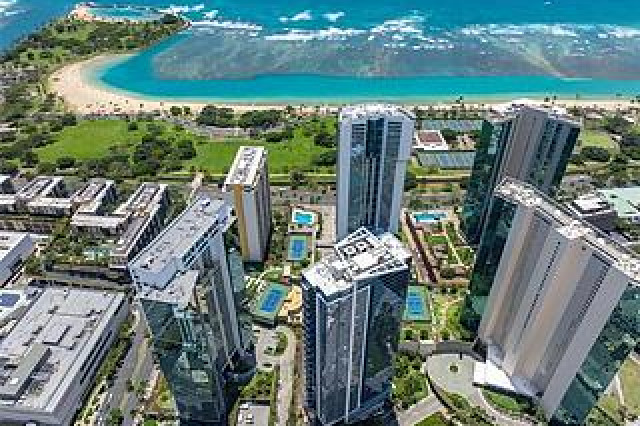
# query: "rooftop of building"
{"type": "Point", "coordinates": [246, 165]}
{"type": "Point", "coordinates": [625, 201]}
{"type": "Point", "coordinates": [360, 255]}
{"type": "Point", "coordinates": [82, 220]}
{"type": "Point", "coordinates": [143, 199]}
{"type": "Point", "coordinates": [509, 109]}
{"type": "Point", "coordinates": [362, 111]}
{"type": "Point", "coordinates": [48, 341]}
{"type": "Point", "coordinates": [175, 241]}
{"type": "Point", "coordinates": [40, 186]}
{"type": "Point", "coordinates": [572, 225]}
{"type": "Point", "coordinates": [9, 240]}
{"type": "Point", "coordinates": [590, 204]}
{"type": "Point", "coordinates": [430, 140]}
{"type": "Point", "coordinates": [139, 209]}
{"type": "Point", "coordinates": [93, 190]}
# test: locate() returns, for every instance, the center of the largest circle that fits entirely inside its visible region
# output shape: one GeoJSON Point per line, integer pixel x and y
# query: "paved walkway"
{"type": "Point", "coordinates": [419, 411]}
{"type": "Point", "coordinates": [286, 361]}
{"type": "Point", "coordinates": [461, 382]}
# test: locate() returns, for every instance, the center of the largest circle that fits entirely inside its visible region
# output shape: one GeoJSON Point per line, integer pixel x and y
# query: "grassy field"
{"type": "Point", "coordinates": [610, 405]}
{"type": "Point", "coordinates": [599, 139]}
{"type": "Point", "coordinates": [216, 156]}
{"type": "Point", "coordinates": [630, 378]}
{"type": "Point", "coordinates": [94, 139]}
{"type": "Point", "coordinates": [89, 139]}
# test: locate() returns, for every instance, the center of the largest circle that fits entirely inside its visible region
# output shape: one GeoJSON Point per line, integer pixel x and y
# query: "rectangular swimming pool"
{"type": "Point", "coordinates": [303, 218]}
{"type": "Point", "coordinates": [429, 216]}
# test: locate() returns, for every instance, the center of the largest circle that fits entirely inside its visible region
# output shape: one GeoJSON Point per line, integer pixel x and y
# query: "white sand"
{"type": "Point", "coordinates": [82, 95]}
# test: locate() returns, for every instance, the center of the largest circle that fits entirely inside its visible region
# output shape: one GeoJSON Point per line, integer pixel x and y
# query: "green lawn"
{"type": "Point", "coordinates": [466, 255]}
{"type": "Point", "coordinates": [409, 384]}
{"type": "Point", "coordinates": [216, 156]}
{"type": "Point", "coordinates": [630, 380]}
{"type": "Point", "coordinates": [436, 419]}
{"type": "Point", "coordinates": [94, 139]}
{"type": "Point", "coordinates": [598, 138]}
{"type": "Point", "coordinates": [89, 139]}
{"type": "Point", "coordinates": [611, 406]}
{"type": "Point", "coordinates": [436, 239]}
{"type": "Point", "coordinates": [260, 386]}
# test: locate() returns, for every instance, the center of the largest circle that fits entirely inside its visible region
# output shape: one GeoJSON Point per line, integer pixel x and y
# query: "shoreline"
{"type": "Point", "coordinates": [83, 94]}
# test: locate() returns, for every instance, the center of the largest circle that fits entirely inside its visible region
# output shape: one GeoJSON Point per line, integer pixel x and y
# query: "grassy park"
{"type": "Point", "coordinates": [92, 139]}
{"type": "Point", "coordinates": [409, 383]}
{"type": "Point", "coordinates": [216, 156]}
{"type": "Point", "coordinates": [630, 382]}
{"type": "Point", "coordinates": [89, 139]}
{"type": "Point", "coordinates": [598, 138]}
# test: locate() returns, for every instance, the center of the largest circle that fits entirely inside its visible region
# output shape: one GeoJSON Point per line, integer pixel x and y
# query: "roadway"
{"type": "Point", "coordinates": [136, 366]}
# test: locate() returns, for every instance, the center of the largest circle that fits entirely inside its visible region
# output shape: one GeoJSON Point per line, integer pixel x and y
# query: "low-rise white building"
{"type": "Point", "coordinates": [429, 140]}
{"type": "Point", "coordinates": [52, 342]}
{"type": "Point", "coordinates": [15, 247]}
{"type": "Point", "coordinates": [595, 209]}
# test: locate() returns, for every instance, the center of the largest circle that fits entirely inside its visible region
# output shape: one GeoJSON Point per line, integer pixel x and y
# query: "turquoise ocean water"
{"type": "Point", "coordinates": [333, 51]}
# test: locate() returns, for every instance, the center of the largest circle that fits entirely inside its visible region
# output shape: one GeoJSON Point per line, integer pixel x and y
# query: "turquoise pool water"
{"type": "Point", "coordinates": [303, 218]}
{"type": "Point", "coordinates": [429, 217]}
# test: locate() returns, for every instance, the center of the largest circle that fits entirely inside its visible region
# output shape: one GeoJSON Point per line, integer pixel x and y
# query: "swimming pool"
{"type": "Point", "coordinates": [430, 216]}
{"type": "Point", "coordinates": [297, 247]}
{"type": "Point", "coordinates": [301, 217]}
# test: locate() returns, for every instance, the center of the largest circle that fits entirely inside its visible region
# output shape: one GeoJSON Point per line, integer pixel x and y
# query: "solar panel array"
{"type": "Point", "coordinates": [457, 125]}
{"type": "Point", "coordinates": [447, 159]}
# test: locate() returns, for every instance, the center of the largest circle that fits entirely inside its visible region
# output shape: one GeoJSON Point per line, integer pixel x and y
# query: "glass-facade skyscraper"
{"type": "Point", "coordinates": [185, 281]}
{"type": "Point", "coordinates": [353, 302]}
{"type": "Point", "coordinates": [373, 150]}
{"type": "Point", "coordinates": [559, 303]}
{"type": "Point", "coordinates": [531, 144]}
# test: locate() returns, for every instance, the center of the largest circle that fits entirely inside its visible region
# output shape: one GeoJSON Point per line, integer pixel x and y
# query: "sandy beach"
{"type": "Point", "coordinates": [73, 83]}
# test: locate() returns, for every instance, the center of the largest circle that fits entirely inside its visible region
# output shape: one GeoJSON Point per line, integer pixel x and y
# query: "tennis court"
{"type": "Point", "coordinates": [447, 159]}
{"type": "Point", "coordinates": [456, 125]}
{"type": "Point", "coordinates": [269, 303]}
{"type": "Point", "coordinates": [297, 247]}
{"type": "Point", "coordinates": [416, 308]}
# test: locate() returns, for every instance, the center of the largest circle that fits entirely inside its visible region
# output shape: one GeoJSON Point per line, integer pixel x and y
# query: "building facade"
{"type": "Point", "coordinates": [561, 311]}
{"type": "Point", "coordinates": [525, 142]}
{"type": "Point", "coordinates": [15, 248]}
{"type": "Point", "coordinates": [248, 186]}
{"type": "Point", "coordinates": [353, 302]}
{"type": "Point", "coordinates": [373, 149]}
{"type": "Point", "coordinates": [185, 280]}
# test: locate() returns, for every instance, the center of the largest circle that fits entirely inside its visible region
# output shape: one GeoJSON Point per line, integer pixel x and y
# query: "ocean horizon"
{"type": "Point", "coordinates": [409, 51]}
